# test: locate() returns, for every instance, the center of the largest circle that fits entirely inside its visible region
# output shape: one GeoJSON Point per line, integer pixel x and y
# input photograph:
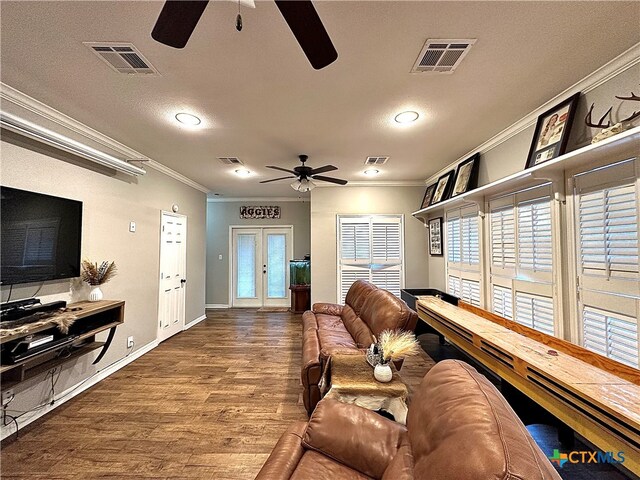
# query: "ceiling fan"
{"type": "Point", "coordinates": [304, 174]}
{"type": "Point", "coordinates": [179, 18]}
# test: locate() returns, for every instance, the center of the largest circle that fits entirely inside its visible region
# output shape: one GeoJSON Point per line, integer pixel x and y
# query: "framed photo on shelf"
{"type": "Point", "coordinates": [466, 175]}
{"type": "Point", "coordinates": [428, 195]}
{"type": "Point", "coordinates": [435, 237]}
{"type": "Point", "coordinates": [552, 132]}
{"type": "Point", "coordinates": [443, 186]}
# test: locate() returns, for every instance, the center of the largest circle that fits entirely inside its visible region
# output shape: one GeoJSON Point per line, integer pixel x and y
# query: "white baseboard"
{"type": "Point", "coordinates": [195, 322]}
{"type": "Point", "coordinates": [77, 389]}
{"type": "Point", "coordinates": [216, 305]}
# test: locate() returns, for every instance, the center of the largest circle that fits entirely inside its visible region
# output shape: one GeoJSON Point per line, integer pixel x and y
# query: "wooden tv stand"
{"type": "Point", "coordinates": [91, 319]}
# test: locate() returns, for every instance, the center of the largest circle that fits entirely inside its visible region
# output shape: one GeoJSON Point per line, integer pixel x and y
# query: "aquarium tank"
{"type": "Point", "coordinates": [299, 272]}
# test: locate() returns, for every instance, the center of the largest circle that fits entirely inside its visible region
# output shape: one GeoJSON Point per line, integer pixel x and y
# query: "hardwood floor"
{"type": "Point", "coordinates": [210, 402]}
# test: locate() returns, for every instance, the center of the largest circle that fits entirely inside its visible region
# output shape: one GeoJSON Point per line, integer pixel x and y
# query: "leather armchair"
{"type": "Point", "coordinates": [459, 428]}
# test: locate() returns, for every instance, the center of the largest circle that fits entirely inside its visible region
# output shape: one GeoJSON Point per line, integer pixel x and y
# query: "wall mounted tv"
{"type": "Point", "coordinates": [39, 237]}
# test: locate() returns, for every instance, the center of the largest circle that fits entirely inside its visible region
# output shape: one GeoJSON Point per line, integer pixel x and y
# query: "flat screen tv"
{"type": "Point", "coordinates": [39, 237]}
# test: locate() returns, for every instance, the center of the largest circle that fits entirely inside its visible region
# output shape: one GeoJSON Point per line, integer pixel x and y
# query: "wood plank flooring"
{"type": "Point", "coordinates": [209, 403]}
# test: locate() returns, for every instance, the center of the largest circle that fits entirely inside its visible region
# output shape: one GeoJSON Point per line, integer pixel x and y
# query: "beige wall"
{"type": "Point", "coordinates": [110, 202]}
{"type": "Point", "coordinates": [328, 202]}
{"type": "Point", "coordinates": [222, 215]}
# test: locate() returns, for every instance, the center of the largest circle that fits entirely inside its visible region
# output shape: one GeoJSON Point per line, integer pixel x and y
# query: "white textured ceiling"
{"type": "Point", "coordinates": [262, 102]}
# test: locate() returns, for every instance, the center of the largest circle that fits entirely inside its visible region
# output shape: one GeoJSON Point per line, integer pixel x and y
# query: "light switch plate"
{"type": "Point", "coordinates": [220, 257]}
{"type": "Point", "coordinates": [132, 227]}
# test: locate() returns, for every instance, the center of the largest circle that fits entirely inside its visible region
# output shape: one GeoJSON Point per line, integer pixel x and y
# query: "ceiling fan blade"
{"type": "Point", "coordinates": [330, 179]}
{"type": "Point", "coordinates": [177, 20]}
{"type": "Point", "coordinates": [282, 169]}
{"type": "Point", "coordinates": [326, 168]}
{"type": "Point", "coordinates": [304, 22]}
{"type": "Point", "coordinates": [276, 179]}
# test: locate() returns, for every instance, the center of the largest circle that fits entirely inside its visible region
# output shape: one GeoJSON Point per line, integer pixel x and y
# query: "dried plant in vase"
{"type": "Point", "coordinates": [394, 345]}
{"type": "Point", "coordinates": [96, 275]}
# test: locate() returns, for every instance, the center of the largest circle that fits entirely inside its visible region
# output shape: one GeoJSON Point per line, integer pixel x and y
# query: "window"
{"type": "Point", "coordinates": [463, 255]}
{"type": "Point", "coordinates": [521, 239]}
{"type": "Point", "coordinates": [606, 245]}
{"type": "Point", "coordinates": [370, 247]}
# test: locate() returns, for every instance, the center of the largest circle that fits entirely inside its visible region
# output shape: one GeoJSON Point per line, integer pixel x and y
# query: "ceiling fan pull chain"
{"type": "Point", "coordinates": [239, 19]}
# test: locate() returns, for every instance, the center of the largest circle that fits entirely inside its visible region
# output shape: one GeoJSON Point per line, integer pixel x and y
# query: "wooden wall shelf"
{"type": "Point", "coordinates": [91, 319]}
{"type": "Point", "coordinates": [618, 146]}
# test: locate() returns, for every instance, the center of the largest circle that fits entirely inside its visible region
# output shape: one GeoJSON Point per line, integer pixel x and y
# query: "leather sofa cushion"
{"type": "Point", "coordinates": [286, 454]}
{"type": "Point", "coordinates": [460, 424]}
{"type": "Point", "coordinates": [315, 465]}
{"type": "Point", "coordinates": [335, 338]}
{"type": "Point", "coordinates": [356, 327]}
{"type": "Point", "coordinates": [329, 322]}
{"type": "Point", "coordinates": [358, 293]}
{"type": "Point", "coordinates": [309, 321]}
{"type": "Point", "coordinates": [384, 311]}
{"type": "Point", "coordinates": [401, 467]}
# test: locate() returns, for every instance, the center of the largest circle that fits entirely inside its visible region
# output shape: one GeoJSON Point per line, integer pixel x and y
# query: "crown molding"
{"type": "Point", "coordinates": [609, 70]}
{"type": "Point", "coordinates": [257, 199]}
{"type": "Point", "coordinates": [44, 111]}
{"type": "Point", "coordinates": [382, 183]}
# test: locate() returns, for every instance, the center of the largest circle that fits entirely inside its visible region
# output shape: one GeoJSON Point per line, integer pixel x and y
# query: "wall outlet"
{"type": "Point", "coordinates": [7, 396]}
{"type": "Point", "coordinates": [129, 342]}
{"type": "Point", "coordinates": [132, 227]}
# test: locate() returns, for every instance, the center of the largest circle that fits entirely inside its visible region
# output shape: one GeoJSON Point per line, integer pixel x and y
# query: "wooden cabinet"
{"type": "Point", "coordinates": [91, 319]}
{"type": "Point", "coordinates": [300, 298]}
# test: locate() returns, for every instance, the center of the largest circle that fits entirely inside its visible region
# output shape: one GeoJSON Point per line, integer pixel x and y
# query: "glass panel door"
{"type": "Point", "coordinates": [278, 250]}
{"type": "Point", "coordinates": [247, 271]}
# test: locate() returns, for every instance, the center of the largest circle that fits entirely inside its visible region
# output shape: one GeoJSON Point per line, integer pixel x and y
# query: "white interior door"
{"type": "Point", "coordinates": [260, 258]}
{"type": "Point", "coordinates": [173, 266]}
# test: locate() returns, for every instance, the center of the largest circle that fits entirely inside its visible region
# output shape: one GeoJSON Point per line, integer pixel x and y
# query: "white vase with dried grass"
{"type": "Point", "coordinates": [96, 275]}
{"type": "Point", "coordinates": [393, 345]}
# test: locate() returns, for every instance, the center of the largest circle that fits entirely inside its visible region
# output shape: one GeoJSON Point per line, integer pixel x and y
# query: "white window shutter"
{"type": "Point", "coordinates": [470, 240]}
{"type": "Point", "coordinates": [612, 335]}
{"type": "Point", "coordinates": [388, 279]}
{"type": "Point", "coordinates": [534, 235]}
{"type": "Point", "coordinates": [503, 249]}
{"type": "Point", "coordinates": [608, 226]}
{"type": "Point", "coordinates": [355, 241]}
{"type": "Point", "coordinates": [470, 291]}
{"type": "Point", "coordinates": [502, 302]}
{"type": "Point", "coordinates": [535, 311]}
{"type": "Point", "coordinates": [454, 287]}
{"type": "Point", "coordinates": [348, 276]}
{"type": "Point", "coordinates": [453, 239]}
{"type": "Point", "coordinates": [386, 240]}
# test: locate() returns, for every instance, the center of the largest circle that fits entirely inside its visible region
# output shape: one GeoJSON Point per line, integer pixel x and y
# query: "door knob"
{"type": "Point", "coordinates": [183, 281]}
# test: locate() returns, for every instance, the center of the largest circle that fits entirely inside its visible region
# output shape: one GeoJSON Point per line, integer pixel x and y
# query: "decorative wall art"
{"type": "Point", "coordinates": [552, 132]}
{"type": "Point", "coordinates": [466, 176]}
{"type": "Point", "coordinates": [435, 237]}
{"type": "Point", "coordinates": [443, 187]}
{"type": "Point", "coordinates": [428, 196]}
{"type": "Point", "coordinates": [260, 212]}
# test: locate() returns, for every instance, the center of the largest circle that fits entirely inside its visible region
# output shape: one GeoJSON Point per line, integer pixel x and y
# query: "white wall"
{"type": "Point", "coordinates": [328, 202]}
{"type": "Point", "coordinates": [110, 202]}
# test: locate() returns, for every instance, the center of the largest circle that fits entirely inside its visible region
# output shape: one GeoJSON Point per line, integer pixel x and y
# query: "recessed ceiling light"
{"type": "Point", "coordinates": [407, 117]}
{"type": "Point", "coordinates": [243, 172]}
{"type": "Point", "coordinates": [371, 172]}
{"type": "Point", "coordinates": [188, 119]}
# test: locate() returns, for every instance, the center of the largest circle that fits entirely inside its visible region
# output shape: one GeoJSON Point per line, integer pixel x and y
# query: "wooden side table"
{"type": "Point", "coordinates": [351, 379]}
{"type": "Point", "coordinates": [300, 298]}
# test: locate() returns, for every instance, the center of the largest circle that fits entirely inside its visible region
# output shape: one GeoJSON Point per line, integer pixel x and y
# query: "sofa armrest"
{"type": "Point", "coordinates": [353, 436]}
{"type": "Point", "coordinates": [328, 309]}
{"type": "Point", "coordinates": [285, 455]}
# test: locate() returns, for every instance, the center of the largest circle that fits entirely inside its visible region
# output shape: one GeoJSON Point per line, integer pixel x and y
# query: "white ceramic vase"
{"type": "Point", "coordinates": [96, 294]}
{"type": "Point", "coordinates": [383, 373]}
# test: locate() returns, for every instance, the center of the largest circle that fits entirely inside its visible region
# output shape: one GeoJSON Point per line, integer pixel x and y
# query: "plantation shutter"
{"type": "Point", "coordinates": [454, 286]}
{"type": "Point", "coordinates": [502, 302]}
{"type": "Point", "coordinates": [534, 235]}
{"type": "Point", "coordinates": [470, 291]}
{"type": "Point", "coordinates": [463, 255]}
{"type": "Point", "coordinates": [612, 335]}
{"type": "Point", "coordinates": [535, 311]}
{"type": "Point", "coordinates": [370, 248]}
{"type": "Point", "coordinates": [454, 254]}
{"type": "Point", "coordinates": [503, 244]}
{"type": "Point", "coordinates": [470, 241]}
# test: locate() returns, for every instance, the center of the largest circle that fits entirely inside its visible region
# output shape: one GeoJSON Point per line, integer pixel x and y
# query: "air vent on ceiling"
{"type": "Point", "coordinates": [122, 57]}
{"type": "Point", "coordinates": [230, 160]}
{"type": "Point", "coordinates": [442, 56]}
{"type": "Point", "coordinates": [376, 160]}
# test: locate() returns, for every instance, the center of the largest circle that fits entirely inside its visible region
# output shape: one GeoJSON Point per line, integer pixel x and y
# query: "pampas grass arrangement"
{"type": "Point", "coordinates": [95, 274]}
{"type": "Point", "coordinates": [397, 344]}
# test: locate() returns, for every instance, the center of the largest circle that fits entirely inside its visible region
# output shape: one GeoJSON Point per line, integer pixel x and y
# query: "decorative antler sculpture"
{"type": "Point", "coordinates": [609, 130]}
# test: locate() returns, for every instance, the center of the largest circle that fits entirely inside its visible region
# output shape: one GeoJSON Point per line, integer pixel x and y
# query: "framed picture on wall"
{"type": "Point", "coordinates": [552, 132]}
{"type": "Point", "coordinates": [435, 237]}
{"type": "Point", "coordinates": [443, 186]}
{"type": "Point", "coordinates": [428, 196]}
{"type": "Point", "coordinates": [466, 175]}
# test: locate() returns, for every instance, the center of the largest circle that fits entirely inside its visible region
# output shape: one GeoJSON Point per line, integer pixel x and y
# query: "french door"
{"type": "Point", "coordinates": [260, 258]}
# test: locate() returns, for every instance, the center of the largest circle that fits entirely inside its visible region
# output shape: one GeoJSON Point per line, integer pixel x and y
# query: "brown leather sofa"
{"type": "Point", "coordinates": [329, 328]}
{"type": "Point", "coordinates": [459, 428]}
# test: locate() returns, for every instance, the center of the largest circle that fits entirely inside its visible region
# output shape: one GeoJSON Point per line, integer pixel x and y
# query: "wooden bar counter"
{"type": "Point", "coordinates": [595, 396]}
